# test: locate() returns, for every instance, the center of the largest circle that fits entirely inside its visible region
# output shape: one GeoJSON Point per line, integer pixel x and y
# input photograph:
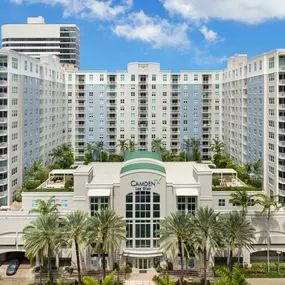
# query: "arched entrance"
{"type": "Point", "coordinates": [19, 255]}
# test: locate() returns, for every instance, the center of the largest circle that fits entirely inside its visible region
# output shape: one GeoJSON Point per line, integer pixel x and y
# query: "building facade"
{"type": "Point", "coordinates": [253, 114]}
{"type": "Point", "coordinates": [141, 104]}
{"type": "Point", "coordinates": [36, 38]}
{"type": "Point", "coordinates": [143, 190]}
{"type": "Point", "coordinates": [33, 115]}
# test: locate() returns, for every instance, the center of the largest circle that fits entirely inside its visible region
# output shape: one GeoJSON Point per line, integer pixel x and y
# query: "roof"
{"type": "Point", "coordinates": [143, 154]}
{"type": "Point", "coordinates": [62, 171]}
{"type": "Point", "coordinates": [149, 166]}
{"type": "Point", "coordinates": [223, 170]}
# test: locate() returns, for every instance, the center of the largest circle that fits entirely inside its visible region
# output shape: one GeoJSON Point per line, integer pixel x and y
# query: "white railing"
{"type": "Point", "coordinates": [282, 118]}
{"type": "Point", "coordinates": [3, 107]}
{"type": "Point", "coordinates": [3, 169]}
{"type": "Point", "coordinates": [282, 155]}
{"type": "Point", "coordinates": [282, 180]}
{"type": "Point", "coordinates": [3, 156]}
{"type": "Point", "coordinates": [281, 167]}
{"type": "Point", "coordinates": [3, 94]}
{"type": "Point", "coordinates": [3, 68]}
{"type": "Point", "coordinates": [282, 94]}
{"type": "Point", "coordinates": [282, 68]}
{"type": "Point", "coordinates": [282, 131]}
{"type": "Point", "coordinates": [3, 181]}
{"type": "Point", "coordinates": [282, 106]}
{"type": "Point", "coordinates": [282, 143]}
{"type": "Point", "coordinates": [3, 120]}
{"type": "Point", "coordinates": [3, 132]}
{"type": "Point", "coordinates": [3, 144]}
{"type": "Point", "coordinates": [282, 81]}
{"type": "Point", "coordinates": [3, 82]}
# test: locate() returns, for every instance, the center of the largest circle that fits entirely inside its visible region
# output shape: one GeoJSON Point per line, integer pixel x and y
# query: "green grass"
{"type": "Point", "coordinates": [49, 190]}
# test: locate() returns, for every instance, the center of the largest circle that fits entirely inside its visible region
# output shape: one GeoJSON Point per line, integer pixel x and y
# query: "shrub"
{"type": "Point", "coordinates": [255, 183]}
{"type": "Point", "coordinates": [32, 184]}
{"type": "Point", "coordinates": [158, 268]}
{"type": "Point", "coordinates": [69, 269]}
{"type": "Point", "coordinates": [241, 188]}
{"type": "Point", "coordinates": [104, 156]}
{"type": "Point", "coordinates": [169, 266]}
{"type": "Point", "coordinates": [68, 184]}
{"type": "Point", "coordinates": [48, 190]}
{"type": "Point", "coordinates": [216, 182]}
{"type": "Point", "coordinates": [128, 269]}
{"type": "Point", "coordinates": [19, 195]}
{"type": "Point", "coordinates": [116, 266]}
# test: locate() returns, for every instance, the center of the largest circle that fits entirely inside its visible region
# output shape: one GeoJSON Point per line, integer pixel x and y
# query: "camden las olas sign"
{"type": "Point", "coordinates": [145, 185]}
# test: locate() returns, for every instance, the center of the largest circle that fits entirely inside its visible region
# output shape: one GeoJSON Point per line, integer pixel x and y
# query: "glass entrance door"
{"type": "Point", "coordinates": [142, 263]}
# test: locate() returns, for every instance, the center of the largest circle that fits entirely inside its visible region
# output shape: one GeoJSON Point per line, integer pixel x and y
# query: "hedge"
{"type": "Point", "coordinates": [49, 190]}
{"type": "Point", "coordinates": [241, 188]}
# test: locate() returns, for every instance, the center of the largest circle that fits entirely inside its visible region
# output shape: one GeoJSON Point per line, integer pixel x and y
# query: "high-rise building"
{"type": "Point", "coordinates": [253, 114]}
{"type": "Point", "coordinates": [142, 104]}
{"type": "Point", "coordinates": [36, 38]}
{"type": "Point", "coordinates": [33, 115]}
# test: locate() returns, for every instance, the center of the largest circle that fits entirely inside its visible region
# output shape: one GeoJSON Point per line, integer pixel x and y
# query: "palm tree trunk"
{"type": "Point", "coordinates": [268, 241]}
{"type": "Point", "coordinates": [104, 264]}
{"type": "Point", "coordinates": [50, 275]}
{"type": "Point", "coordinates": [181, 262]}
{"type": "Point", "coordinates": [231, 260]}
{"type": "Point", "coordinates": [78, 261]}
{"type": "Point", "coordinates": [205, 266]}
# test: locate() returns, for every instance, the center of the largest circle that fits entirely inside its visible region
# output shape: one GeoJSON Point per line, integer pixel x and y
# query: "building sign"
{"type": "Point", "coordinates": [145, 185]}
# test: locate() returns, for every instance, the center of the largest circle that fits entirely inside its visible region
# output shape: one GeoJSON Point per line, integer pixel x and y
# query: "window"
{"type": "Point", "coordinates": [271, 77]}
{"type": "Point", "coordinates": [217, 76]}
{"type": "Point", "coordinates": [15, 90]}
{"type": "Point", "coordinates": [260, 65]}
{"type": "Point", "coordinates": [271, 100]}
{"type": "Point", "coordinates": [133, 77]}
{"type": "Point", "coordinates": [271, 146]}
{"type": "Point", "coordinates": [271, 112]}
{"type": "Point", "coordinates": [153, 86]}
{"type": "Point", "coordinates": [14, 182]}
{"type": "Point", "coordinates": [97, 203]}
{"type": "Point", "coordinates": [271, 169]}
{"type": "Point", "coordinates": [185, 77]}
{"type": "Point", "coordinates": [63, 204]}
{"type": "Point", "coordinates": [26, 65]}
{"type": "Point", "coordinates": [34, 204]}
{"type": "Point", "coordinates": [271, 63]}
{"type": "Point", "coordinates": [91, 77]}
{"type": "Point", "coordinates": [271, 135]}
{"type": "Point", "coordinates": [195, 77]}
{"type": "Point", "coordinates": [122, 77]}
{"type": "Point", "coordinates": [14, 170]}
{"type": "Point", "coordinates": [271, 124]}
{"type": "Point", "coordinates": [101, 77]}
{"type": "Point", "coordinates": [14, 159]}
{"type": "Point", "coordinates": [271, 158]}
{"type": "Point", "coordinates": [271, 89]}
{"type": "Point", "coordinates": [31, 67]}
{"type": "Point", "coordinates": [271, 181]}
{"type": "Point", "coordinates": [222, 202]}
{"type": "Point", "coordinates": [186, 204]}
{"type": "Point", "coordinates": [153, 77]}
{"type": "Point", "coordinates": [14, 77]}
{"type": "Point", "coordinates": [14, 63]}
{"type": "Point", "coordinates": [164, 77]}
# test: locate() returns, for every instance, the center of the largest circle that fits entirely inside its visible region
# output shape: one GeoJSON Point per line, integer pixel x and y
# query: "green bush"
{"type": "Point", "coordinates": [241, 188]}
{"type": "Point", "coordinates": [115, 266]}
{"type": "Point", "coordinates": [68, 184]}
{"type": "Point", "coordinates": [104, 156]}
{"type": "Point", "coordinates": [169, 266]}
{"type": "Point", "coordinates": [128, 269]}
{"type": "Point", "coordinates": [32, 184]}
{"type": "Point", "coordinates": [263, 267]}
{"type": "Point", "coordinates": [48, 190]}
{"type": "Point", "coordinates": [19, 195]}
{"type": "Point", "coordinates": [255, 183]}
{"type": "Point", "coordinates": [69, 269]}
{"type": "Point", "coordinates": [158, 268]}
{"type": "Point", "coordinates": [216, 182]}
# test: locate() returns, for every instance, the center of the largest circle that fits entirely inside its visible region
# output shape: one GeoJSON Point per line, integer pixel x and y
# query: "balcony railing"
{"type": "Point", "coordinates": [3, 82]}
{"type": "Point", "coordinates": [3, 94]}
{"type": "Point", "coordinates": [282, 143]}
{"type": "Point", "coordinates": [3, 181]}
{"type": "Point", "coordinates": [282, 131]}
{"type": "Point", "coordinates": [3, 157]}
{"type": "Point", "coordinates": [3, 169]}
{"type": "Point", "coordinates": [282, 180]}
{"type": "Point", "coordinates": [3, 68]}
{"type": "Point", "coordinates": [3, 193]}
{"type": "Point", "coordinates": [282, 155]}
{"type": "Point", "coordinates": [282, 106]}
{"type": "Point", "coordinates": [282, 81]}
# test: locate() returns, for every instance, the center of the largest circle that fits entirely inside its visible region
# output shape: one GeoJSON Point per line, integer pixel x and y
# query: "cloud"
{"type": "Point", "coordinates": [205, 58]}
{"type": "Point", "coordinates": [91, 9]}
{"type": "Point", "coordinates": [153, 30]}
{"type": "Point", "coordinates": [246, 11]}
{"type": "Point", "coordinates": [209, 35]}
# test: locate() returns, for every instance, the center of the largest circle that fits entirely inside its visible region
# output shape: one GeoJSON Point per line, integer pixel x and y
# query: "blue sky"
{"type": "Point", "coordinates": [180, 34]}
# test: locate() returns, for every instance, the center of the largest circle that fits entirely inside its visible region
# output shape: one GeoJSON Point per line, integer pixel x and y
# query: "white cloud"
{"type": "Point", "coordinates": [209, 35]}
{"type": "Point", "coordinates": [153, 30]}
{"type": "Point", "coordinates": [247, 11]}
{"type": "Point", "coordinates": [97, 9]}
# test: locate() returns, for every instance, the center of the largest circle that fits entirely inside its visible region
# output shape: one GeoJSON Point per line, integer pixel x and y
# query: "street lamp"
{"type": "Point", "coordinates": [278, 255]}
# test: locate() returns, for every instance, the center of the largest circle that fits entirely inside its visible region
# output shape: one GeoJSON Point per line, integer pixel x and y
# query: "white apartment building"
{"type": "Point", "coordinates": [253, 109]}
{"type": "Point", "coordinates": [33, 115]}
{"type": "Point", "coordinates": [141, 104]}
{"type": "Point", "coordinates": [36, 38]}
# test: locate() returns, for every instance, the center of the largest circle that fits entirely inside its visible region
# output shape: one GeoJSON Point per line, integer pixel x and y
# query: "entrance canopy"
{"type": "Point", "coordinates": [99, 192]}
{"type": "Point", "coordinates": [145, 254]}
{"type": "Point", "coordinates": [187, 192]}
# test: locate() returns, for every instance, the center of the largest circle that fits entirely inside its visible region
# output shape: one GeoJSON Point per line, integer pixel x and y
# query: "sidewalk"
{"type": "Point", "coordinates": [266, 281]}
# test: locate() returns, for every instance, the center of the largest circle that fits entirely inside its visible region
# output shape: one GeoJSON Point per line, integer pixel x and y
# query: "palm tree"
{"type": "Point", "coordinates": [187, 145]}
{"type": "Point", "coordinates": [195, 144]}
{"type": "Point", "coordinates": [156, 145]}
{"type": "Point", "coordinates": [208, 233]}
{"type": "Point", "coordinates": [132, 146]}
{"type": "Point", "coordinates": [35, 168]}
{"type": "Point", "coordinates": [269, 204]}
{"type": "Point", "coordinates": [242, 199]}
{"type": "Point", "coordinates": [74, 232]}
{"type": "Point", "coordinates": [42, 237]}
{"type": "Point", "coordinates": [90, 148]}
{"type": "Point", "coordinates": [105, 232]}
{"type": "Point", "coordinates": [231, 277]}
{"type": "Point", "coordinates": [109, 280]}
{"type": "Point", "coordinates": [175, 232]}
{"type": "Point", "coordinates": [248, 167]}
{"type": "Point", "coordinates": [168, 155]}
{"type": "Point", "coordinates": [165, 280]}
{"type": "Point", "coordinates": [257, 167]}
{"type": "Point", "coordinates": [238, 233]}
{"type": "Point", "coordinates": [99, 147]}
{"type": "Point", "coordinates": [217, 147]}
{"type": "Point", "coordinates": [123, 145]}
{"type": "Point", "coordinates": [63, 155]}
{"type": "Point", "coordinates": [45, 208]}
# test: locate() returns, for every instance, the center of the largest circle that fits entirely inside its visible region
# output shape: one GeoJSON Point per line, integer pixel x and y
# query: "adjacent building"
{"type": "Point", "coordinates": [143, 103]}
{"type": "Point", "coordinates": [33, 115]}
{"type": "Point", "coordinates": [36, 38]}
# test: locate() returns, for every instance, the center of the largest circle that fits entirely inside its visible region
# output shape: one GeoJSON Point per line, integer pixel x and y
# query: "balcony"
{"type": "Point", "coordinates": [3, 82]}
{"type": "Point", "coordinates": [282, 131]}
{"type": "Point", "coordinates": [3, 157]}
{"type": "Point", "coordinates": [3, 68]}
{"type": "Point", "coordinates": [3, 107]}
{"type": "Point", "coordinates": [3, 144]}
{"type": "Point", "coordinates": [282, 94]}
{"type": "Point", "coordinates": [3, 94]}
{"type": "Point", "coordinates": [282, 155]}
{"type": "Point", "coordinates": [3, 169]}
{"type": "Point", "coordinates": [4, 193]}
{"type": "Point", "coordinates": [282, 180]}
{"type": "Point", "coordinates": [3, 181]}
{"type": "Point", "coordinates": [282, 143]}
{"type": "Point", "coordinates": [281, 167]}
{"type": "Point", "coordinates": [281, 106]}
{"type": "Point", "coordinates": [281, 68]}
{"type": "Point", "coordinates": [282, 118]}
{"type": "Point", "coordinates": [282, 81]}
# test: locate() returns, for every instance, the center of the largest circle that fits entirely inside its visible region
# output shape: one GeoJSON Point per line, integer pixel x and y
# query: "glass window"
{"type": "Point", "coordinates": [222, 202]}
{"type": "Point", "coordinates": [97, 203]}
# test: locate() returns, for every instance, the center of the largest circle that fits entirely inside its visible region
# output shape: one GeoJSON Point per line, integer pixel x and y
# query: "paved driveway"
{"type": "Point", "coordinates": [272, 281]}
{"type": "Point", "coordinates": [23, 275]}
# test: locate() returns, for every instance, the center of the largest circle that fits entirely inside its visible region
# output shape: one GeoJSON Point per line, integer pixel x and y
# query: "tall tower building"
{"type": "Point", "coordinates": [36, 38]}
